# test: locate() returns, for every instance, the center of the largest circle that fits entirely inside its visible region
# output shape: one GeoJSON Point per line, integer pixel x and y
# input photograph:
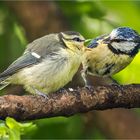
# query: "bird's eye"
{"type": "Point", "coordinates": [77, 39]}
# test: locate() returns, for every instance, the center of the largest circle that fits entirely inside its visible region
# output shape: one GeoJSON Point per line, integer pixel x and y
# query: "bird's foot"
{"type": "Point", "coordinates": [42, 94]}
{"type": "Point", "coordinates": [37, 92]}
{"type": "Point", "coordinates": [116, 85]}
{"type": "Point", "coordinates": [89, 87]}
{"type": "Point", "coordinates": [61, 90]}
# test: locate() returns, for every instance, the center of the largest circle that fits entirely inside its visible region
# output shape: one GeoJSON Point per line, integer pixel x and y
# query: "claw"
{"type": "Point", "coordinates": [42, 94]}
{"type": "Point", "coordinates": [88, 87]}
{"type": "Point", "coordinates": [62, 90]}
{"type": "Point", "coordinates": [37, 92]}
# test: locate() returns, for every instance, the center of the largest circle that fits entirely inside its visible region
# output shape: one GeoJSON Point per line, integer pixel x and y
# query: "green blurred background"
{"type": "Point", "coordinates": [22, 22]}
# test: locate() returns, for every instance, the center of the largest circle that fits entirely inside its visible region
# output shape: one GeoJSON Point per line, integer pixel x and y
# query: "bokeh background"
{"type": "Point", "coordinates": [23, 21]}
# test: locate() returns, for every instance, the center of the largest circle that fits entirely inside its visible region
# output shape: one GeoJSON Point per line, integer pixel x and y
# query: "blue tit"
{"type": "Point", "coordinates": [47, 64]}
{"type": "Point", "coordinates": [110, 53]}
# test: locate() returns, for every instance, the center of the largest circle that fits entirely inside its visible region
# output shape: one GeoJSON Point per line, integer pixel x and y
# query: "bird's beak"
{"type": "Point", "coordinates": [87, 41]}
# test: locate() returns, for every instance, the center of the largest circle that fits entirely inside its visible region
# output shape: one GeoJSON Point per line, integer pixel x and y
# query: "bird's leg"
{"type": "Point", "coordinates": [83, 74]}
{"type": "Point", "coordinates": [37, 92]}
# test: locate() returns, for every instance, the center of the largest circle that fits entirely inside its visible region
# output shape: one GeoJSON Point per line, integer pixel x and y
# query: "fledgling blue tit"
{"type": "Point", "coordinates": [47, 64]}
{"type": "Point", "coordinates": [108, 54]}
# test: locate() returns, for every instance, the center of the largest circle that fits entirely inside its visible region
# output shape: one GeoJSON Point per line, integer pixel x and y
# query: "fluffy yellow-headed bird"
{"type": "Point", "coordinates": [47, 64]}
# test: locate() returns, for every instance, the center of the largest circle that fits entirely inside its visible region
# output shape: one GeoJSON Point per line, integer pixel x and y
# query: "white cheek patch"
{"type": "Point", "coordinates": [36, 55]}
{"type": "Point", "coordinates": [113, 34]}
{"type": "Point", "coordinates": [124, 46]}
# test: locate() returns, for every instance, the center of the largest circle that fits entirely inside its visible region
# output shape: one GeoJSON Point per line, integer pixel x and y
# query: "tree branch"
{"type": "Point", "coordinates": [67, 103]}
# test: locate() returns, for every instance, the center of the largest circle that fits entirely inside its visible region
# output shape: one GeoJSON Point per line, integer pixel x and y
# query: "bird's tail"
{"type": "Point", "coordinates": [3, 83]}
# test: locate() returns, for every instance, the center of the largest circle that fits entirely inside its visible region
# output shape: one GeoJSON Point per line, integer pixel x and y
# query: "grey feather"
{"type": "Point", "coordinates": [45, 45]}
{"type": "Point", "coordinates": [25, 60]}
{"type": "Point", "coordinates": [42, 46]}
{"type": "Point", "coordinates": [3, 85]}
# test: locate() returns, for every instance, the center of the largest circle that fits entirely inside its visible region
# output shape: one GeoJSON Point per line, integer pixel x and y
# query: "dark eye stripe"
{"type": "Point", "coordinates": [118, 40]}
{"type": "Point", "coordinates": [77, 39]}
{"type": "Point", "coordinates": [117, 51]}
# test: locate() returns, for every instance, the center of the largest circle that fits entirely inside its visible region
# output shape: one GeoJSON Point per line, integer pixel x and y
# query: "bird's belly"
{"type": "Point", "coordinates": [48, 76]}
{"type": "Point", "coordinates": [109, 65]}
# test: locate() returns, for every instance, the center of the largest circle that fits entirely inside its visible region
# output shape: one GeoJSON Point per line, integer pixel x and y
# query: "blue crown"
{"type": "Point", "coordinates": [124, 33]}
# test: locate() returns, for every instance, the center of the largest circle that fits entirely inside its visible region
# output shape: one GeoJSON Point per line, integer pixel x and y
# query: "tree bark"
{"type": "Point", "coordinates": [67, 102]}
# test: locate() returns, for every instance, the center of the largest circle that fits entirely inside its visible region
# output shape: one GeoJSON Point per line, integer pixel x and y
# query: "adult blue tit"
{"type": "Point", "coordinates": [108, 54]}
{"type": "Point", "coordinates": [47, 64]}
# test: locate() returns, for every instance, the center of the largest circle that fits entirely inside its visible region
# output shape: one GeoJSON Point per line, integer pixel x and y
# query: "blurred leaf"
{"type": "Point", "coordinates": [91, 8]}
{"type": "Point", "coordinates": [14, 134]}
{"type": "Point", "coordinates": [13, 130]}
{"type": "Point", "coordinates": [20, 34]}
{"type": "Point", "coordinates": [127, 13]}
{"type": "Point", "coordinates": [130, 73]}
{"type": "Point", "coordinates": [3, 132]}
{"type": "Point", "coordinates": [80, 13]}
